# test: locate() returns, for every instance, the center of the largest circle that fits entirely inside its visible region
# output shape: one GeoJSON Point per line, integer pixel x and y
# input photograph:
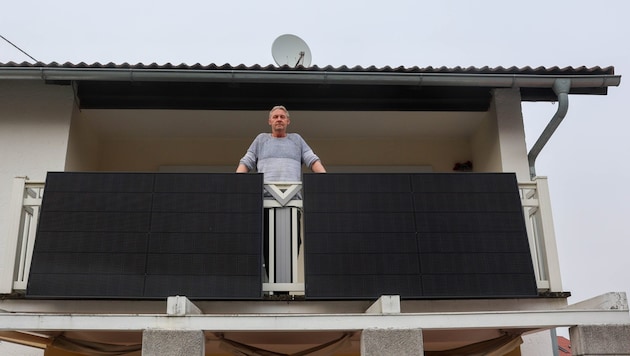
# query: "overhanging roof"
{"type": "Point", "coordinates": [226, 87]}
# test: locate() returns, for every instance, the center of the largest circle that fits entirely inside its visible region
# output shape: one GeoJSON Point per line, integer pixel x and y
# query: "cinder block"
{"type": "Point", "coordinates": [399, 342]}
{"type": "Point", "coordinates": [591, 340]}
{"type": "Point", "coordinates": [173, 343]}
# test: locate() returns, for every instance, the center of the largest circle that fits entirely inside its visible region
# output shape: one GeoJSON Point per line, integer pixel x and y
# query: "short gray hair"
{"type": "Point", "coordinates": [281, 108]}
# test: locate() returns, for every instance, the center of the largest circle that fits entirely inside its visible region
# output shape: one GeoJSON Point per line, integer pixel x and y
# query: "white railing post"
{"type": "Point", "coordinates": [24, 213]}
{"type": "Point", "coordinates": [540, 232]}
{"type": "Point", "coordinates": [284, 201]}
{"type": "Point", "coordinates": [9, 255]}
{"type": "Point", "coordinates": [33, 194]}
{"type": "Point", "coordinates": [549, 241]}
{"type": "Point", "coordinates": [529, 201]}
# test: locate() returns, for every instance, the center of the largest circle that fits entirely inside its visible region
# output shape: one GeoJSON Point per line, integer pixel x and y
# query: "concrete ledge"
{"type": "Point", "coordinates": [317, 322]}
{"type": "Point", "coordinates": [608, 301]}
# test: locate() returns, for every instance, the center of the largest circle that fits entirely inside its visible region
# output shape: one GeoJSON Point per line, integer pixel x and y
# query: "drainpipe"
{"type": "Point", "coordinates": [561, 87]}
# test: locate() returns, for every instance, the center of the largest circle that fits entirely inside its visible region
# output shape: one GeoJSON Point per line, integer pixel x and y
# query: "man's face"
{"type": "Point", "coordinates": [278, 120]}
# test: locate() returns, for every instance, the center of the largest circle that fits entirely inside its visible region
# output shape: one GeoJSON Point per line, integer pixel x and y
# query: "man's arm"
{"type": "Point", "coordinates": [242, 168]}
{"type": "Point", "coordinates": [317, 167]}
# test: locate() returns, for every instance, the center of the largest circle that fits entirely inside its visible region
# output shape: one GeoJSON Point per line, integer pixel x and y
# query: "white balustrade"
{"type": "Point", "coordinates": [285, 264]}
{"type": "Point", "coordinates": [25, 207]}
{"type": "Point", "coordinates": [540, 231]}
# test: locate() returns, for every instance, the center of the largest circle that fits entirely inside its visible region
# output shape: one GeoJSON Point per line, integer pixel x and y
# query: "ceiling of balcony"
{"type": "Point", "coordinates": [135, 124]}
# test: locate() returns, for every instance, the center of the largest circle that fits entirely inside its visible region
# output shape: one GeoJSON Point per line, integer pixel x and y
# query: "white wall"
{"type": "Point", "coordinates": [499, 143]}
{"type": "Point", "coordinates": [537, 344]}
{"type": "Point", "coordinates": [34, 126]}
{"type": "Point", "coordinates": [507, 104]}
{"type": "Point", "coordinates": [11, 349]}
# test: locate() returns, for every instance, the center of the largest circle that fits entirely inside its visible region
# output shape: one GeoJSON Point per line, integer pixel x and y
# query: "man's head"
{"type": "Point", "coordinates": [279, 120]}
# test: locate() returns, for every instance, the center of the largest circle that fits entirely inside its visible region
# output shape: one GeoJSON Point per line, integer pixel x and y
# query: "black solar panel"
{"type": "Point", "coordinates": [415, 235]}
{"type": "Point", "coordinates": [146, 235]}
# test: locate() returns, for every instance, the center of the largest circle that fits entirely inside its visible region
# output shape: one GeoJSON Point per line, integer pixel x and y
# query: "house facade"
{"type": "Point", "coordinates": [431, 233]}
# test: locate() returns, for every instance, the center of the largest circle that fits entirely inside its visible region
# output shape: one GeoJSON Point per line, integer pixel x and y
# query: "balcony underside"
{"type": "Point", "coordinates": [298, 326]}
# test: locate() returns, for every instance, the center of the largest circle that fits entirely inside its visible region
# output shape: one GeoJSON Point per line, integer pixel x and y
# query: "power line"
{"type": "Point", "coordinates": [18, 48]}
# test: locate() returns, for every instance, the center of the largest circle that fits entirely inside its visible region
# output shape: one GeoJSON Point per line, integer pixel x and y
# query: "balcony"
{"type": "Point", "coordinates": [288, 221]}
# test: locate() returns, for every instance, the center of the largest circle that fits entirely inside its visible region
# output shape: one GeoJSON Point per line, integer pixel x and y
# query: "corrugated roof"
{"type": "Point", "coordinates": [582, 70]}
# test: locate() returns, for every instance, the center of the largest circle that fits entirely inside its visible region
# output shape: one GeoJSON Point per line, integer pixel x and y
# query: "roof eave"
{"type": "Point", "coordinates": [581, 83]}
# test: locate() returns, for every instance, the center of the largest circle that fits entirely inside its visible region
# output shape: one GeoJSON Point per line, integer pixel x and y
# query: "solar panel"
{"type": "Point", "coordinates": [423, 235]}
{"type": "Point", "coordinates": [147, 235]}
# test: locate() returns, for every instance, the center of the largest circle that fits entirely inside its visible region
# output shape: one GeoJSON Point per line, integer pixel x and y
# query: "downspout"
{"type": "Point", "coordinates": [561, 87]}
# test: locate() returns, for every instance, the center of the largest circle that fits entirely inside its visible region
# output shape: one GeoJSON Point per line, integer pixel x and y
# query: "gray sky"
{"type": "Point", "coordinates": [586, 160]}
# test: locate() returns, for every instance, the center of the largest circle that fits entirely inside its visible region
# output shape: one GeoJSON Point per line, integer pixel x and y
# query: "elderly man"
{"type": "Point", "coordinates": [279, 155]}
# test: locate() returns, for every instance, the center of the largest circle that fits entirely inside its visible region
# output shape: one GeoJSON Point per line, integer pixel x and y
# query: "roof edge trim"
{"type": "Point", "coordinates": [319, 77]}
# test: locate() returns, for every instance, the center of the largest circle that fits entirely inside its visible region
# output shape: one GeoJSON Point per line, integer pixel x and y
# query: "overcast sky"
{"type": "Point", "coordinates": [586, 160]}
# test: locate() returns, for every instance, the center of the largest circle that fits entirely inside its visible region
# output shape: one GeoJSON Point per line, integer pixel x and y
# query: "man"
{"type": "Point", "coordinates": [279, 155]}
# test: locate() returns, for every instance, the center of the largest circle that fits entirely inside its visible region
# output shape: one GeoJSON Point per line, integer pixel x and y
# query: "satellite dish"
{"type": "Point", "coordinates": [291, 50]}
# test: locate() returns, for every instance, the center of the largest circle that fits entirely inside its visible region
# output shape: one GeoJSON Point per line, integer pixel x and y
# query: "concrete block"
{"type": "Point", "coordinates": [173, 343]}
{"type": "Point", "coordinates": [181, 306]}
{"type": "Point", "coordinates": [399, 342]}
{"type": "Point", "coordinates": [591, 340]}
{"type": "Point", "coordinates": [386, 304]}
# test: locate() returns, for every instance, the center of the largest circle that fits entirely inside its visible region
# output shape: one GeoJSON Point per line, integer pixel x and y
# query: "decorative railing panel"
{"type": "Point", "coordinates": [23, 231]}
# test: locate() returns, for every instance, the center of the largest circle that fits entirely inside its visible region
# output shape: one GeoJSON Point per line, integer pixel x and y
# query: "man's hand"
{"type": "Point", "coordinates": [317, 167]}
{"type": "Point", "coordinates": [242, 168]}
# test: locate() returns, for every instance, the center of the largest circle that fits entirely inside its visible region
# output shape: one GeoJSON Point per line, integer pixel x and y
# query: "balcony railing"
{"type": "Point", "coordinates": [285, 270]}
{"type": "Point", "coordinates": [285, 262]}
{"type": "Point", "coordinates": [540, 232]}
{"type": "Point", "coordinates": [26, 200]}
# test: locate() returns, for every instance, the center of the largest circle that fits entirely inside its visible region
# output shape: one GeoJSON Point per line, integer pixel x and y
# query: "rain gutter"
{"type": "Point", "coordinates": [306, 77]}
{"type": "Point", "coordinates": [561, 87]}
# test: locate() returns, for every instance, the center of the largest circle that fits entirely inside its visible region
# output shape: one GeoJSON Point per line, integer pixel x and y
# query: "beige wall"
{"type": "Point", "coordinates": [440, 154]}
{"type": "Point", "coordinates": [145, 140]}
{"type": "Point", "coordinates": [83, 145]}
{"type": "Point", "coordinates": [150, 154]}
{"type": "Point", "coordinates": [485, 145]}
